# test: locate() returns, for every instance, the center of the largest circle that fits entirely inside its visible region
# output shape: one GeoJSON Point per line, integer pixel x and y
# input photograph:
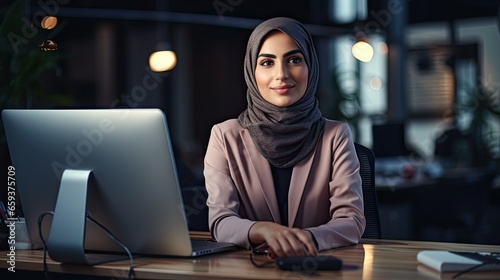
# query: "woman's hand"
{"type": "Point", "coordinates": [283, 241]}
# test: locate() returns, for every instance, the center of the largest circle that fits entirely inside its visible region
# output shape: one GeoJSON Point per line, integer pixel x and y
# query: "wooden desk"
{"type": "Point", "coordinates": [372, 259]}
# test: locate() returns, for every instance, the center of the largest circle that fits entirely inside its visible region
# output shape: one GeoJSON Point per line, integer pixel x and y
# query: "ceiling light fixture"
{"type": "Point", "coordinates": [162, 60]}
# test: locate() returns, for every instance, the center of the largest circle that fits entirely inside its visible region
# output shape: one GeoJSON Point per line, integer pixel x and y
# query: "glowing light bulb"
{"type": "Point", "coordinates": [48, 22]}
{"type": "Point", "coordinates": [362, 51]}
{"type": "Point", "coordinates": [161, 61]}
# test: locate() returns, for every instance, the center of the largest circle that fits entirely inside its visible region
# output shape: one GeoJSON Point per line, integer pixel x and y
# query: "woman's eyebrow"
{"type": "Point", "coordinates": [292, 52]}
{"type": "Point", "coordinates": [267, 55]}
{"type": "Point", "coordinates": [285, 55]}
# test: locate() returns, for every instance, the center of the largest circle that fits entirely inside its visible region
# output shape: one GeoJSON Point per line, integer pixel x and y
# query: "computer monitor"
{"type": "Point", "coordinates": [389, 140]}
{"type": "Point", "coordinates": [115, 165]}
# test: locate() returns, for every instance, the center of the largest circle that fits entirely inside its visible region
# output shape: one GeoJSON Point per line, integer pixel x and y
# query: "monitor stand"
{"type": "Point", "coordinates": [66, 242]}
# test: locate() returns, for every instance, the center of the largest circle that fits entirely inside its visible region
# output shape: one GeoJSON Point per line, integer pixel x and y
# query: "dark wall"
{"type": "Point", "coordinates": [218, 84]}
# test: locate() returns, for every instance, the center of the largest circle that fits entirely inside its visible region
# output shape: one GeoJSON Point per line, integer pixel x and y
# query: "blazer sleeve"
{"type": "Point", "coordinates": [223, 201]}
{"type": "Point", "coordinates": [347, 220]}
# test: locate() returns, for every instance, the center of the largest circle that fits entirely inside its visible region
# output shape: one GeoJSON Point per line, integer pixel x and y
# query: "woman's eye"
{"type": "Point", "coordinates": [295, 60]}
{"type": "Point", "coordinates": [266, 63]}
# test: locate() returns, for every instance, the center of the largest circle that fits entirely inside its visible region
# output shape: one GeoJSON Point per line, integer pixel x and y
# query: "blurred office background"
{"type": "Point", "coordinates": [425, 99]}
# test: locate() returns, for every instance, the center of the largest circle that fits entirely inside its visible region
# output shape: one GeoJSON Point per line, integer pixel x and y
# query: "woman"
{"type": "Point", "coordinates": [281, 173]}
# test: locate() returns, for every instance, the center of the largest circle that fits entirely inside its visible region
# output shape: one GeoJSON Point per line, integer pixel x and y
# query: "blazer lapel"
{"type": "Point", "coordinates": [300, 174]}
{"type": "Point", "coordinates": [264, 176]}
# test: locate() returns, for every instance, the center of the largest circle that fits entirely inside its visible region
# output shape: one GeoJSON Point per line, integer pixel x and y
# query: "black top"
{"type": "Point", "coordinates": [282, 178]}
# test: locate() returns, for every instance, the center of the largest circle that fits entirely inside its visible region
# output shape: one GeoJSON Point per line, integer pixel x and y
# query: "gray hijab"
{"type": "Point", "coordinates": [283, 135]}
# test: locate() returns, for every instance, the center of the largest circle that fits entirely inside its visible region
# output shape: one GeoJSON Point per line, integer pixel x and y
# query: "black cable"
{"type": "Point", "coordinates": [495, 262]}
{"type": "Point", "coordinates": [40, 220]}
{"type": "Point", "coordinates": [45, 271]}
{"type": "Point", "coordinates": [468, 270]}
{"type": "Point", "coordinates": [131, 268]}
{"type": "Point", "coordinates": [260, 251]}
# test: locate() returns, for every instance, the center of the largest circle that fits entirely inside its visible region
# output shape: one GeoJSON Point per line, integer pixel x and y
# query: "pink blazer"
{"type": "Point", "coordinates": [325, 195]}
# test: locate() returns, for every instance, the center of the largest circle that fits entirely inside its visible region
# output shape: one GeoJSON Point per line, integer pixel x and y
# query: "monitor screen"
{"type": "Point", "coordinates": [133, 189]}
{"type": "Point", "coordinates": [389, 140]}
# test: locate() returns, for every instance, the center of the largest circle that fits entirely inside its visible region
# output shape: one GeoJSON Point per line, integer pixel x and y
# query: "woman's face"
{"type": "Point", "coordinates": [281, 72]}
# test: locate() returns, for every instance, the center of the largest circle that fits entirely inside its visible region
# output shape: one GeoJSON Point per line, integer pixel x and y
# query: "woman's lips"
{"type": "Point", "coordinates": [282, 89]}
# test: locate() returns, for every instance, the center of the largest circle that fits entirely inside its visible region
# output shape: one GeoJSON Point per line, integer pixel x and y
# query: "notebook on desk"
{"type": "Point", "coordinates": [452, 261]}
{"type": "Point", "coordinates": [114, 165]}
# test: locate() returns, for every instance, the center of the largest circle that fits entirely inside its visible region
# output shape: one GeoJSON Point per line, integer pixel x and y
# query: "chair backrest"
{"type": "Point", "coordinates": [367, 172]}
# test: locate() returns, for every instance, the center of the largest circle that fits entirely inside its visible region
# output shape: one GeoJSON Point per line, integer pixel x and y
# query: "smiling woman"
{"type": "Point", "coordinates": [281, 71]}
{"type": "Point", "coordinates": [281, 176]}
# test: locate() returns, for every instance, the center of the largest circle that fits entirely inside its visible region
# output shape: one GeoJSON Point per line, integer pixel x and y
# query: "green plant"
{"type": "Point", "coordinates": [481, 107]}
{"type": "Point", "coordinates": [345, 104]}
{"type": "Point", "coordinates": [22, 61]}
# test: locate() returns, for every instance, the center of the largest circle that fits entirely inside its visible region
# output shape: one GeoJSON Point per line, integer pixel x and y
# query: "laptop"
{"type": "Point", "coordinates": [114, 165]}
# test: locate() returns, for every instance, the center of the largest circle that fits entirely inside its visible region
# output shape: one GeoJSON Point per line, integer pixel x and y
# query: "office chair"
{"type": "Point", "coordinates": [367, 172]}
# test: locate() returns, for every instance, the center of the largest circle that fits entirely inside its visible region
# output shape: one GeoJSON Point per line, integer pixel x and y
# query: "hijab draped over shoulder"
{"type": "Point", "coordinates": [283, 135]}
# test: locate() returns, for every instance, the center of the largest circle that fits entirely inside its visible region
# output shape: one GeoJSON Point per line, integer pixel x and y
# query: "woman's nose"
{"type": "Point", "coordinates": [281, 71]}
